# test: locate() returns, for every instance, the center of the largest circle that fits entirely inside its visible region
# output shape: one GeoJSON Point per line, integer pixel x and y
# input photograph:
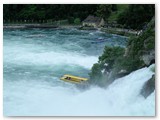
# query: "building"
{"type": "Point", "coordinates": [93, 21]}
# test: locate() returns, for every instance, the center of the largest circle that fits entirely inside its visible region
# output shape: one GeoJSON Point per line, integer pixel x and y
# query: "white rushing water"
{"type": "Point", "coordinates": [122, 98]}
{"type": "Point", "coordinates": [32, 87]}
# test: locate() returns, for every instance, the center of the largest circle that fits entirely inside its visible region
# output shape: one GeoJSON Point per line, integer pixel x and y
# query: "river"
{"type": "Point", "coordinates": [35, 59]}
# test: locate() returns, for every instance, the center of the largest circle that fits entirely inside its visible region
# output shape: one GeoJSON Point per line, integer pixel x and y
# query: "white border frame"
{"type": "Point", "coordinates": [82, 2]}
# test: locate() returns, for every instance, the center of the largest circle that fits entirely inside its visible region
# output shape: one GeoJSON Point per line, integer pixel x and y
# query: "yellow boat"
{"type": "Point", "coordinates": [73, 79]}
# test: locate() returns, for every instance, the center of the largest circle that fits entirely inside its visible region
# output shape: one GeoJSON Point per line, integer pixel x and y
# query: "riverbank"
{"type": "Point", "coordinates": [121, 31]}
{"type": "Point", "coordinates": [111, 30]}
{"type": "Point", "coordinates": [15, 26]}
{"type": "Point", "coordinates": [115, 30]}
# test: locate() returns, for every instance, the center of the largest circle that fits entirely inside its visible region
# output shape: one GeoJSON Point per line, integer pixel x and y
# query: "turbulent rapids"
{"type": "Point", "coordinates": [35, 59]}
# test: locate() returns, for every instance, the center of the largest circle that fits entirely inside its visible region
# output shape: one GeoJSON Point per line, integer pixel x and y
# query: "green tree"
{"type": "Point", "coordinates": [110, 54]}
{"type": "Point", "coordinates": [104, 11]}
{"type": "Point", "coordinates": [108, 58]}
{"type": "Point", "coordinates": [47, 11]}
{"type": "Point", "coordinates": [95, 74]}
{"type": "Point", "coordinates": [136, 15]}
{"type": "Point", "coordinates": [29, 12]}
{"type": "Point", "coordinates": [114, 7]}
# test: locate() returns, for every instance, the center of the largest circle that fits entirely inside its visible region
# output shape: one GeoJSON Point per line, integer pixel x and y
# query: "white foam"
{"type": "Point", "coordinates": [122, 98]}
{"type": "Point", "coordinates": [29, 55]}
{"type": "Point", "coordinates": [26, 95]}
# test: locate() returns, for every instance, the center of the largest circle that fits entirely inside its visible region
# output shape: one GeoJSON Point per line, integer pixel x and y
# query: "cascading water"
{"type": "Point", "coordinates": [35, 59]}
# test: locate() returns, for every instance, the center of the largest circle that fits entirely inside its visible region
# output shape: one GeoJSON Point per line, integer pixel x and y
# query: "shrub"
{"type": "Point", "coordinates": [146, 41]}
{"type": "Point", "coordinates": [110, 54]}
{"type": "Point", "coordinates": [77, 21]}
{"type": "Point", "coordinates": [128, 64]}
{"type": "Point", "coordinates": [95, 73]}
{"type": "Point", "coordinates": [108, 57]}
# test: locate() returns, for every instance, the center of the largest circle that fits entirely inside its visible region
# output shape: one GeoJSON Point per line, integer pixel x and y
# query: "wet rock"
{"type": "Point", "coordinates": [148, 57]}
{"type": "Point", "coordinates": [122, 73]}
{"type": "Point", "coordinates": [148, 87]}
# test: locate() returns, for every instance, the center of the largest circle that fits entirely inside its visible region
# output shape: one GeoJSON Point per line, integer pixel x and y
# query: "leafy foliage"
{"type": "Point", "coordinates": [77, 21]}
{"type": "Point", "coordinates": [133, 16]}
{"type": "Point", "coordinates": [108, 58]}
{"type": "Point", "coordinates": [136, 15]}
{"type": "Point", "coordinates": [128, 64]}
{"type": "Point", "coordinates": [104, 11]}
{"type": "Point", "coordinates": [47, 11]}
{"type": "Point", "coordinates": [71, 20]}
{"type": "Point", "coordinates": [96, 73]}
{"type": "Point", "coordinates": [120, 8]}
{"type": "Point", "coordinates": [109, 55]}
{"type": "Point", "coordinates": [56, 11]}
{"type": "Point", "coordinates": [144, 42]}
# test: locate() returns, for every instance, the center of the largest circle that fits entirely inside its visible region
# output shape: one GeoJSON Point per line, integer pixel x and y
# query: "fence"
{"type": "Point", "coordinates": [50, 21]}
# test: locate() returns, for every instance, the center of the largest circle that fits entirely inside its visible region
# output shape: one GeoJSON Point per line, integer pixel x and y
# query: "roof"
{"type": "Point", "coordinates": [92, 19]}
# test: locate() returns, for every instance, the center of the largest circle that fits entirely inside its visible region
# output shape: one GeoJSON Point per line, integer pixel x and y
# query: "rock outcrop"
{"type": "Point", "coordinates": [148, 87]}
{"type": "Point", "coordinates": [148, 57]}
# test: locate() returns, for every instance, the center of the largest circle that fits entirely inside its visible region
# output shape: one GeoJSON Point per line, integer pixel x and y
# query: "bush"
{"type": "Point", "coordinates": [128, 64]}
{"type": "Point", "coordinates": [108, 57]}
{"type": "Point", "coordinates": [110, 54]}
{"type": "Point", "coordinates": [95, 73]}
{"type": "Point", "coordinates": [77, 21]}
{"type": "Point", "coordinates": [144, 42]}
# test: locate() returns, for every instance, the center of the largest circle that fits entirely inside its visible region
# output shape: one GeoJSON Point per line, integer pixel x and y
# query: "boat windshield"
{"type": "Point", "coordinates": [68, 78]}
